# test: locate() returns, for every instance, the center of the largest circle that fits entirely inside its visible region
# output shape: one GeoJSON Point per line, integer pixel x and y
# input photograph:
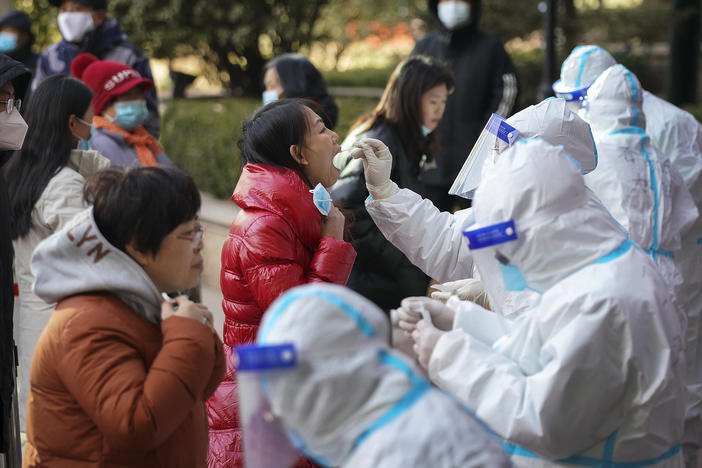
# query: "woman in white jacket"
{"type": "Point", "coordinates": [45, 183]}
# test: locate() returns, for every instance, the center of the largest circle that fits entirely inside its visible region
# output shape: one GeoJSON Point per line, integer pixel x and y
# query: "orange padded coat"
{"type": "Point", "coordinates": [111, 389]}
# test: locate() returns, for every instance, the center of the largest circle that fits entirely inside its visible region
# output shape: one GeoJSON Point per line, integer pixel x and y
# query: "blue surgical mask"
{"type": "Point", "coordinates": [87, 144]}
{"type": "Point", "coordinates": [321, 198]}
{"type": "Point", "coordinates": [513, 277]}
{"type": "Point", "coordinates": [270, 96]}
{"type": "Point", "coordinates": [426, 131]}
{"type": "Point", "coordinates": [130, 114]}
{"type": "Point", "coordinates": [8, 42]}
{"type": "Point", "coordinates": [82, 143]}
{"type": "Point", "coordinates": [453, 14]}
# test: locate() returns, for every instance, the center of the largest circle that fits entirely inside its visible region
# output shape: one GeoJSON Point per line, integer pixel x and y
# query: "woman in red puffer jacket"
{"type": "Point", "coordinates": [280, 239]}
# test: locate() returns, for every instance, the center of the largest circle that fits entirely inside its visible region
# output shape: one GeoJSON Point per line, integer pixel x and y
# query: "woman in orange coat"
{"type": "Point", "coordinates": [120, 376]}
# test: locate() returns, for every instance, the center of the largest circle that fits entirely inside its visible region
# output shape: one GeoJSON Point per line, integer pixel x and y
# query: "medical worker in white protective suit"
{"type": "Point", "coordinates": [431, 239]}
{"type": "Point", "coordinates": [633, 179]}
{"type": "Point", "coordinates": [679, 136]}
{"type": "Point", "coordinates": [646, 195]}
{"type": "Point", "coordinates": [592, 374]}
{"type": "Point", "coordinates": [352, 401]}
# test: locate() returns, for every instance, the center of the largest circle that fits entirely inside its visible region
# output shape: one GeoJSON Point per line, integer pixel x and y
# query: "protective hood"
{"type": "Point", "coordinates": [614, 101]}
{"type": "Point", "coordinates": [78, 259]}
{"type": "Point", "coordinates": [581, 68]}
{"type": "Point", "coordinates": [341, 340]}
{"type": "Point", "coordinates": [351, 400]}
{"type": "Point", "coordinates": [560, 226]}
{"type": "Point", "coordinates": [552, 121]}
{"type": "Point", "coordinates": [476, 9]}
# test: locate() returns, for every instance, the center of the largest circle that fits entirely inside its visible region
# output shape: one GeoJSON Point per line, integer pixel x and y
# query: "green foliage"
{"type": "Point", "coordinates": [43, 17]}
{"type": "Point", "coordinates": [359, 77]}
{"type": "Point", "coordinates": [528, 65]}
{"type": "Point", "coordinates": [350, 109]}
{"type": "Point", "coordinates": [236, 37]}
{"type": "Point", "coordinates": [200, 136]}
{"type": "Point", "coordinates": [508, 19]}
{"type": "Point", "coordinates": [345, 21]}
{"type": "Point", "coordinates": [647, 23]}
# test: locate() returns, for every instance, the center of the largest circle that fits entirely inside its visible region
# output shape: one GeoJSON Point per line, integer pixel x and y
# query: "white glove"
{"type": "Point", "coordinates": [425, 336]}
{"type": "Point", "coordinates": [377, 165]}
{"type": "Point", "coordinates": [410, 313]}
{"type": "Point", "coordinates": [469, 289]}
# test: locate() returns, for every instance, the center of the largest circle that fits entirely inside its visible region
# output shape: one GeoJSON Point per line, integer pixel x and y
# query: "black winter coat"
{"type": "Point", "coordinates": [10, 70]}
{"type": "Point", "coordinates": [486, 82]}
{"type": "Point", "coordinates": [381, 272]}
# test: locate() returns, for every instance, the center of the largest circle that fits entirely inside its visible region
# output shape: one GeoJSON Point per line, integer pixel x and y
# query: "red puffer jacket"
{"type": "Point", "coordinates": [274, 244]}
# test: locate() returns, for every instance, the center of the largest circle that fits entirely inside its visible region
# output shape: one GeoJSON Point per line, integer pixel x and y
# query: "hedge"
{"type": "Point", "coordinates": [200, 136]}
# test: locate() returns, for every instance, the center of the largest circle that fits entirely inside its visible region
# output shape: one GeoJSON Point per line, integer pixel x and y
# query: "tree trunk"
{"type": "Point", "coordinates": [684, 52]}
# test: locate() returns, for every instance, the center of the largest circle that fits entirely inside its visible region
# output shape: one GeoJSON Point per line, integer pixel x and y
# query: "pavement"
{"type": "Point", "coordinates": [216, 216]}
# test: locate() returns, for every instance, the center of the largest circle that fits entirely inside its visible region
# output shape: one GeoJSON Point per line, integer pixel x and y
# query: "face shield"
{"type": "Point", "coordinates": [266, 442]}
{"type": "Point", "coordinates": [497, 133]}
{"type": "Point", "coordinates": [574, 97]}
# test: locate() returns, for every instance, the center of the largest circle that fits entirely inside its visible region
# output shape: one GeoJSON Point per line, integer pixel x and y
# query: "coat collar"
{"type": "Point", "coordinates": [281, 191]}
{"type": "Point", "coordinates": [87, 163]}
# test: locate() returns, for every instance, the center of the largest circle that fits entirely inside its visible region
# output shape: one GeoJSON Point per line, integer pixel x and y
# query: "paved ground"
{"type": "Point", "coordinates": [216, 215]}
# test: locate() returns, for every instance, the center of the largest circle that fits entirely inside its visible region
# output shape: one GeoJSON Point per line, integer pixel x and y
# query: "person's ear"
{"type": "Point", "coordinates": [296, 153]}
{"type": "Point", "coordinates": [141, 258]}
{"type": "Point", "coordinates": [99, 17]}
{"type": "Point", "coordinates": [72, 123]}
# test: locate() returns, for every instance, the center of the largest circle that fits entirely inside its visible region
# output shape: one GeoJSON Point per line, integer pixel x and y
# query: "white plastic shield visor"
{"type": "Point", "coordinates": [496, 130]}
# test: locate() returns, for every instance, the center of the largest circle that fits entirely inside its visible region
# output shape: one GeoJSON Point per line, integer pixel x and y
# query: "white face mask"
{"type": "Point", "coordinates": [453, 13]}
{"type": "Point", "coordinates": [13, 129]}
{"type": "Point", "coordinates": [75, 25]}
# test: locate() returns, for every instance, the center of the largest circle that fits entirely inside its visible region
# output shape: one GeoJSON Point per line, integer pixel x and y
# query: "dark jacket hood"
{"type": "Point", "coordinates": [14, 71]}
{"type": "Point", "coordinates": [476, 11]}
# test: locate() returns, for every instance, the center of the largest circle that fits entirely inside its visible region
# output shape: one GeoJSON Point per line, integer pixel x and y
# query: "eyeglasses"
{"type": "Point", "coordinates": [197, 235]}
{"type": "Point", "coordinates": [12, 104]}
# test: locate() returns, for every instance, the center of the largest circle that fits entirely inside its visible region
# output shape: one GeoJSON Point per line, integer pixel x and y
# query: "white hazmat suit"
{"type": "Point", "coordinates": [353, 401]}
{"type": "Point", "coordinates": [634, 180]}
{"type": "Point", "coordinates": [592, 374]}
{"type": "Point", "coordinates": [433, 241]}
{"type": "Point", "coordinates": [678, 135]}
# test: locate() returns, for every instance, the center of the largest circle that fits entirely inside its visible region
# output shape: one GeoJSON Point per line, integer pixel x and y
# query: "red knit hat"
{"type": "Point", "coordinates": [107, 79]}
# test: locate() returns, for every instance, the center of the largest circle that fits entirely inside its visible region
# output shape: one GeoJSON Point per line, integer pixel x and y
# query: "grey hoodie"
{"type": "Point", "coordinates": [78, 259]}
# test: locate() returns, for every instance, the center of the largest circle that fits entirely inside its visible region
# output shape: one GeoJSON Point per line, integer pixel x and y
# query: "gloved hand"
{"type": "Point", "coordinates": [377, 165]}
{"type": "Point", "coordinates": [469, 289]}
{"type": "Point", "coordinates": [425, 336]}
{"type": "Point", "coordinates": [409, 313]}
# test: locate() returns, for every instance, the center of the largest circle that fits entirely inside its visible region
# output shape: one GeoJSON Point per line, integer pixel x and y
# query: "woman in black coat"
{"type": "Point", "coordinates": [404, 119]}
